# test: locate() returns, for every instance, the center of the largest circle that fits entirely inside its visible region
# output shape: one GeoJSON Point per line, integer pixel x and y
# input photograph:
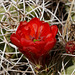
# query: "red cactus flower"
{"type": "Point", "coordinates": [70, 47]}
{"type": "Point", "coordinates": [35, 38]}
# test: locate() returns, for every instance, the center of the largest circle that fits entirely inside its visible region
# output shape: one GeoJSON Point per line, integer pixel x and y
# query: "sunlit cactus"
{"type": "Point", "coordinates": [54, 12]}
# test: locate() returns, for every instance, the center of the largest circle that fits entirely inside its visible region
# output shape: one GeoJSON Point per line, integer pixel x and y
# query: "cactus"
{"type": "Point", "coordinates": [57, 12]}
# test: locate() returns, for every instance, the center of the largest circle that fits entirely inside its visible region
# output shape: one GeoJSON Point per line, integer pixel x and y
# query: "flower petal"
{"type": "Point", "coordinates": [40, 45]}
{"type": "Point", "coordinates": [26, 31]}
{"type": "Point", "coordinates": [34, 25]}
{"type": "Point", "coordinates": [49, 37]}
{"type": "Point", "coordinates": [31, 49]}
{"type": "Point", "coordinates": [49, 45]}
{"type": "Point", "coordinates": [15, 40]}
{"type": "Point", "coordinates": [22, 24]}
{"type": "Point", "coordinates": [27, 51]}
{"type": "Point", "coordinates": [54, 29]}
{"type": "Point", "coordinates": [23, 31]}
{"type": "Point", "coordinates": [25, 42]}
{"type": "Point", "coordinates": [44, 30]}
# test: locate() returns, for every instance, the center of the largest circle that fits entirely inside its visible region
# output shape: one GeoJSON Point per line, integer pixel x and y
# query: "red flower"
{"type": "Point", "coordinates": [70, 47]}
{"type": "Point", "coordinates": [34, 38]}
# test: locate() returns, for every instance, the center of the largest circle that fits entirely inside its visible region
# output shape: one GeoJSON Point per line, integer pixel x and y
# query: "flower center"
{"type": "Point", "coordinates": [36, 40]}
